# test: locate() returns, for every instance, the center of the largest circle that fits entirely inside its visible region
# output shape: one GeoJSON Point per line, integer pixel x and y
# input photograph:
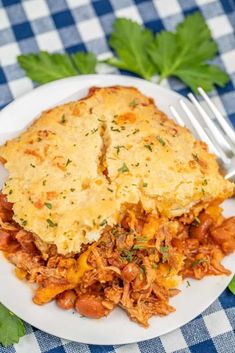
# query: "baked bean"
{"type": "Point", "coordinates": [130, 272]}
{"type": "Point", "coordinates": [224, 235]}
{"type": "Point", "coordinates": [89, 306]}
{"type": "Point", "coordinates": [66, 300]}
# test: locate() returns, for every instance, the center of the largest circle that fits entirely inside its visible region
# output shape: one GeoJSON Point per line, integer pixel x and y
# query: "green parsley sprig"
{"type": "Point", "coordinates": [184, 54]}
{"type": "Point", "coordinates": [11, 327]}
{"type": "Point", "coordinates": [232, 285]}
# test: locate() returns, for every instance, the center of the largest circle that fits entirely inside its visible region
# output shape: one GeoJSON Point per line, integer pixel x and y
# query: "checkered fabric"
{"type": "Point", "coordinates": [73, 25]}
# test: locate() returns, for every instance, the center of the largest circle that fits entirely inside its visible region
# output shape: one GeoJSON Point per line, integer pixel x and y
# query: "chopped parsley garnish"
{"type": "Point", "coordinates": [196, 222]}
{"type": "Point", "coordinates": [127, 255]}
{"type": "Point", "coordinates": [164, 250]}
{"type": "Point", "coordinates": [32, 165]}
{"type": "Point", "coordinates": [162, 142]}
{"type": "Point", "coordinates": [149, 146]}
{"type": "Point", "coordinates": [110, 190]}
{"type": "Point", "coordinates": [198, 262]}
{"type": "Point", "coordinates": [113, 129]}
{"type": "Point", "coordinates": [11, 328]}
{"type": "Point", "coordinates": [138, 247]}
{"type": "Point", "coordinates": [68, 162]}
{"type": "Point", "coordinates": [135, 131]}
{"type": "Point", "coordinates": [48, 205]}
{"type": "Point", "coordinates": [133, 103]}
{"type": "Point", "coordinates": [188, 284]}
{"type": "Point", "coordinates": [51, 224]}
{"type": "Point", "coordinates": [72, 189]}
{"type": "Point", "coordinates": [154, 266]}
{"type": "Point", "coordinates": [195, 157]}
{"type": "Point", "coordinates": [123, 168]}
{"type": "Point", "coordinates": [23, 222]}
{"type": "Point", "coordinates": [103, 223]}
{"type": "Point", "coordinates": [204, 183]}
{"type": "Point", "coordinates": [231, 285]}
{"type": "Point", "coordinates": [63, 120]}
{"type": "Point", "coordinates": [118, 148]}
{"type": "Point", "coordinates": [10, 192]}
{"type": "Point", "coordinates": [44, 182]}
{"type": "Point", "coordinates": [141, 239]}
{"type": "Point", "coordinates": [94, 130]}
{"type": "Point", "coordinates": [145, 185]}
{"type": "Point", "coordinates": [87, 134]}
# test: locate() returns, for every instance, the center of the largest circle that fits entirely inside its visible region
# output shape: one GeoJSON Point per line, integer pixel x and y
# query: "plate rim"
{"type": "Point", "coordinates": [101, 77]}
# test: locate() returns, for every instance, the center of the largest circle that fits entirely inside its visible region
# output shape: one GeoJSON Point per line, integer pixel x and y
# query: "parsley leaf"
{"type": "Point", "coordinates": [85, 63]}
{"type": "Point", "coordinates": [164, 250]}
{"type": "Point", "coordinates": [231, 285]}
{"type": "Point", "coordinates": [11, 327]}
{"type": "Point", "coordinates": [128, 40]}
{"type": "Point", "coordinates": [184, 54]}
{"type": "Point", "coordinates": [123, 168]}
{"type": "Point", "coordinates": [51, 223]}
{"type": "Point", "coordinates": [198, 262]}
{"type": "Point", "coordinates": [48, 205]}
{"type": "Point", "coordinates": [43, 67]}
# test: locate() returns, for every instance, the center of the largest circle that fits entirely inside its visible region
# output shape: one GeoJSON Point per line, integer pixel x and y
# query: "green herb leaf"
{"type": "Point", "coordinates": [195, 157]}
{"type": "Point", "coordinates": [103, 223]}
{"type": "Point", "coordinates": [85, 63]}
{"type": "Point", "coordinates": [11, 327]}
{"type": "Point", "coordinates": [138, 247]}
{"type": "Point", "coordinates": [127, 255]}
{"type": "Point", "coordinates": [63, 120]}
{"type": "Point", "coordinates": [51, 224]}
{"type": "Point", "coordinates": [164, 250]}
{"type": "Point", "coordinates": [231, 285]}
{"type": "Point", "coordinates": [44, 67]}
{"type": "Point", "coordinates": [198, 262]}
{"type": "Point", "coordinates": [129, 40]}
{"type": "Point", "coordinates": [68, 162]}
{"type": "Point", "coordinates": [133, 103]}
{"type": "Point", "coordinates": [123, 168]}
{"type": "Point", "coordinates": [185, 53]}
{"type": "Point", "coordinates": [196, 222]}
{"type": "Point", "coordinates": [48, 205]}
{"type": "Point", "coordinates": [118, 147]}
{"type": "Point", "coordinates": [149, 146]}
{"type": "Point", "coordinates": [162, 142]}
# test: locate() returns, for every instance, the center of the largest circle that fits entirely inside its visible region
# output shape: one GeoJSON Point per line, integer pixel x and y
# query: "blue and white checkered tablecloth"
{"type": "Point", "coordinates": [73, 25]}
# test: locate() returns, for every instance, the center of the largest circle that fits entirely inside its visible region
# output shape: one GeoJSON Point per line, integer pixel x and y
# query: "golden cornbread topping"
{"type": "Point", "coordinates": [81, 165]}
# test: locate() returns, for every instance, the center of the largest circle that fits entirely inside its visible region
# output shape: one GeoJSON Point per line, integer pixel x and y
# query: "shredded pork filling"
{"type": "Point", "coordinates": [136, 265]}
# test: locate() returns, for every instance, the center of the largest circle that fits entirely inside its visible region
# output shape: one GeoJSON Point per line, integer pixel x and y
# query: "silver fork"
{"type": "Point", "coordinates": [217, 132]}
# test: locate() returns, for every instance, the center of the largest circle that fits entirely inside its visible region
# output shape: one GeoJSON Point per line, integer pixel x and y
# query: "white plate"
{"type": "Point", "coordinates": [116, 328]}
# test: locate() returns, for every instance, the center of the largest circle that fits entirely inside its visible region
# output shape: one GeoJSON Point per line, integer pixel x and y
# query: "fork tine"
{"type": "Point", "coordinates": [176, 116]}
{"type": "Point", "coordinates": [223, 123]}
{"type": "Point", "coordinates": [215, 131]}
{"type": "Point", "coordinates": [202, 134]}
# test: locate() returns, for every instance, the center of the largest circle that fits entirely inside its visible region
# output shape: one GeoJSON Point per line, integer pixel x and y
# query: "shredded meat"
{"type": "Point", "coordinates": [135, 265]}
